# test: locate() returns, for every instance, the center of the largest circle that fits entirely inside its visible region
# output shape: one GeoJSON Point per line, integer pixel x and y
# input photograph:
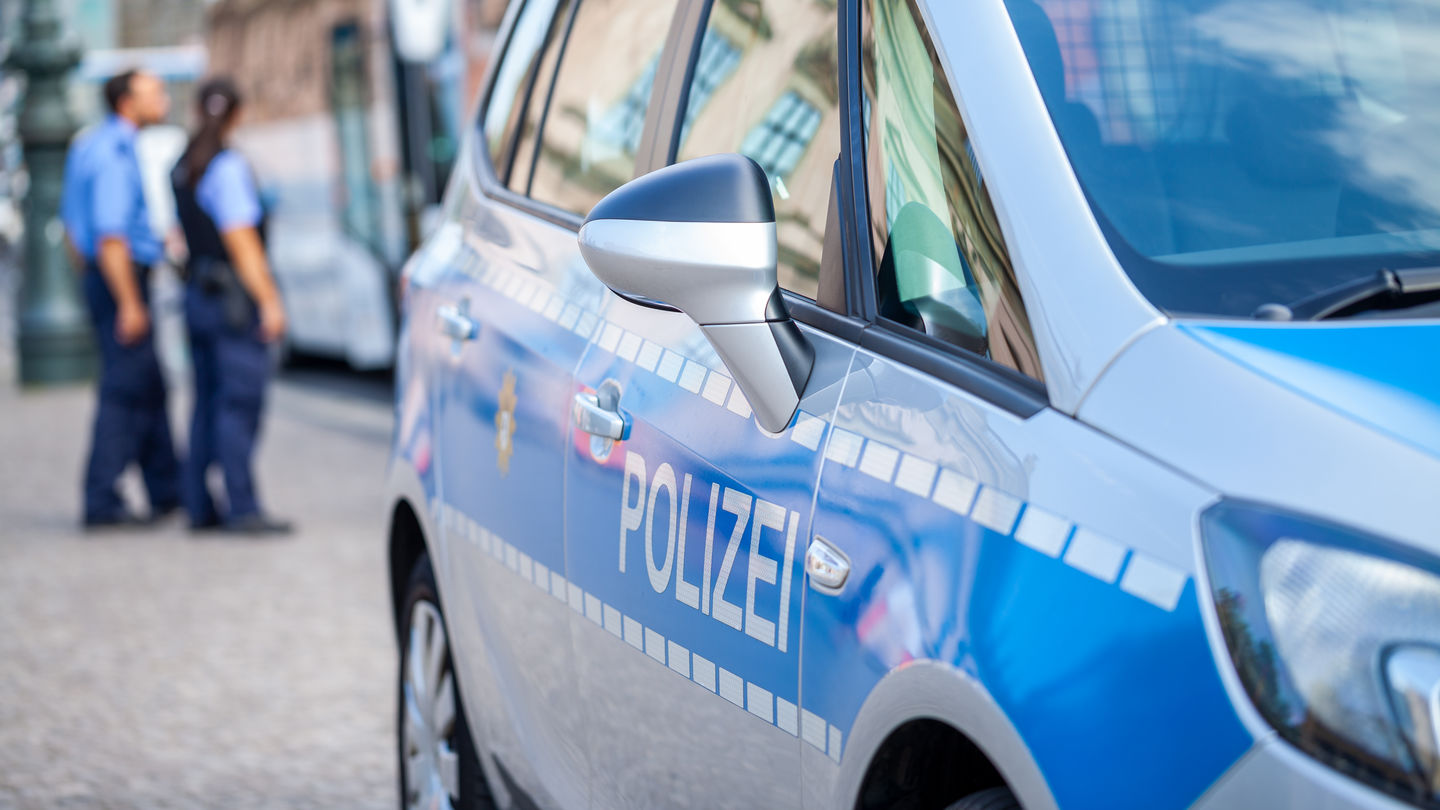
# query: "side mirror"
{"type": "Point", "coordinates": [699, 236]}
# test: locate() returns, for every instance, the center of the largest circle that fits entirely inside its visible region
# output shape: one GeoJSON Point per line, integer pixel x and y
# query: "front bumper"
{"type": "Point", "coordinates": [1276, 776]}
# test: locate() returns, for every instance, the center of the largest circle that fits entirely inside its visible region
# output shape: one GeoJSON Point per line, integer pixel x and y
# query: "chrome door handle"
{"type": "Point", "coordinates": [453, 323]}
{"type": "Point", "coordinates": [594, 418]}
{"type": "Point", "coordinates": [827, 566]}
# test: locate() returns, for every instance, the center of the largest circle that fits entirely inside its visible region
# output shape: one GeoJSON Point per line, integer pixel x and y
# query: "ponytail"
{"type": "Point", "coordinates": [218, 101]}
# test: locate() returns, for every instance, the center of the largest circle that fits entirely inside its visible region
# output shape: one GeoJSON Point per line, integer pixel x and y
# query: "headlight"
{"type": "Point", "coordinates": [1336, 637]}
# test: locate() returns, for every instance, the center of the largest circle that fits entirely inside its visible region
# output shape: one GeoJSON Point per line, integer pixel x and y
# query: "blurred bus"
{"type": "Point", "coordinates": [352, 122]}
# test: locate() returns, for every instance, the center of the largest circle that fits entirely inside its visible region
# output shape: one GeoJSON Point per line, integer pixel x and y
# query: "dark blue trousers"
{"type": "Point", "coordinates": [131, 424]}
{"type": "Point", "coordinates": [232, 367]}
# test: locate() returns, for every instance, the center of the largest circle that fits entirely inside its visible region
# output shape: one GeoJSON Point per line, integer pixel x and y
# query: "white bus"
{"type": "Point", "coordinates": [353, 109]}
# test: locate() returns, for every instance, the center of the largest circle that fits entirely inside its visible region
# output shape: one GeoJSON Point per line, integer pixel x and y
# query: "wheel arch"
{"type": "Point", "coordinates": [938, 701]}
{"type": "Point", "coordinates": [925, 762]}
{"type": "Point", "coordinates": [409, 534]}
{"type": "Point", "coordinates": [407, 546]}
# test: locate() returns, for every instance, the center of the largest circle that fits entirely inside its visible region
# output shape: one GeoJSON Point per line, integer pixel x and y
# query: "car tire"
{"type": "Point", "coordinates": [439, 765]}
{"type": "Point", "coordinates": [999, 798]}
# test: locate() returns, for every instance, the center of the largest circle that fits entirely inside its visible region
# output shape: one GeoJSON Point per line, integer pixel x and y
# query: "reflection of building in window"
{"type": "Point", "coordinates": [622, 124]}
{"type": "Point", "coordinates": [1113, 64]}
{"type": "Point", "coordinates": [734, 108]}
{"type": "Point", "coordinates": [778, 142]}
{"type": "Point", "coordinates": [895, 196]}
{"type": "Point", "coordinates": [718, 59]}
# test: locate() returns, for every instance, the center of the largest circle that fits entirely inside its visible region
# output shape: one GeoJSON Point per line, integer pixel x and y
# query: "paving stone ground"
{"type": "Point", "coordinates": [155, 670]}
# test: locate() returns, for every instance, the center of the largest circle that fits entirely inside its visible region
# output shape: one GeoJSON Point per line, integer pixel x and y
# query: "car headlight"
{"type": "Point", "coordinates": [1336, 636]}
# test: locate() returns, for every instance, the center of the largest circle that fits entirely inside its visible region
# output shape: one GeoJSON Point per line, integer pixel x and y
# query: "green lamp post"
{"type": "Point", "coordinates": [54, 341]}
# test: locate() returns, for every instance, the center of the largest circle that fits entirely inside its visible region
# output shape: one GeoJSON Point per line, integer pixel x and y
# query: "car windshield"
{"type": "Point", "coordinates": [1244, 152]}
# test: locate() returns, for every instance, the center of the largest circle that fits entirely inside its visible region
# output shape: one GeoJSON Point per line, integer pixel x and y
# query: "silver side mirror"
{"type": "Point", "coordinates": [699, 236]}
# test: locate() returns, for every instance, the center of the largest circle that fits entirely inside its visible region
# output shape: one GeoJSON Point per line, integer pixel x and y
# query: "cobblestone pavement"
{"type": "Point", "coordinates": [151, 669]}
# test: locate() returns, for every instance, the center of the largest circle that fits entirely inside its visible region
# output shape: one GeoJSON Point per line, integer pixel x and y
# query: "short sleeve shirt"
{"type": "Point", "coordinates": [103, 196]}
{"type": "Point", "coordinates": [226, 193]}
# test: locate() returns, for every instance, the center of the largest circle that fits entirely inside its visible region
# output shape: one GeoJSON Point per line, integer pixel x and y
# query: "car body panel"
{"type": "Point", "coordinates": [1276, 775]}
{"type": "Point", "coordinates": [503, 414]}
{"type": "Point", "coordinates": [717, 600]}
{"type": "Point", "coordinates": [1374, 372]}
{"type": "Point", "coordinates": [1296, 452]}
{"type": "Point", "coordinates": [1027, 553]}
{"type": "Point", "coordinates": [413, 443]}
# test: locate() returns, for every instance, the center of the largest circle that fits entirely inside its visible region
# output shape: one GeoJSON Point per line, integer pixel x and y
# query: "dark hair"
{"type": "Point", "coordinates": [216, 105]}
{"type": "Point", "coordinates": [117, 87]}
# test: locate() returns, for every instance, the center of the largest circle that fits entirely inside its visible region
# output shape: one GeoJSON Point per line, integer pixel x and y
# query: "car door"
{"type": "Point", "coordinates": [508, 309]}
{"type": "Point", "coordinates": [981, 528]}
{"type": "Point", "coordinates": [686, 538]}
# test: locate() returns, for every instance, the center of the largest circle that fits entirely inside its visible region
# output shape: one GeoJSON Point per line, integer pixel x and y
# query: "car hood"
{"type": "Point", "coordinates": [1386, 376]}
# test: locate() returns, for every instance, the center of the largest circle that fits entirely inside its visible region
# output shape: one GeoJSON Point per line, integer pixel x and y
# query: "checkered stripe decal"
{"type": "Point", "coordinates": [1101, 557]}
{"type": "Point", "coordinates": [690, 664]}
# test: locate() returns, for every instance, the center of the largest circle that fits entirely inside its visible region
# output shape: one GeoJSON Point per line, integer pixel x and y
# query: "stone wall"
{"type": "Point", "coordinates": [158, 23]}
{"type": "Point", "coordinates": [279, 50]}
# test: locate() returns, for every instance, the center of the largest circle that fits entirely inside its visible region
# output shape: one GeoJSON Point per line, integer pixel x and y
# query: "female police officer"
{"type": "Point", "coordinates": [232, 309]}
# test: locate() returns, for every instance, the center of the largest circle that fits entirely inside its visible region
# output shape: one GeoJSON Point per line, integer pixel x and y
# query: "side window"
{"type": "Point", "coordinates": [522, 167]}
{"type": "Point", "coordinates": [943, 266]}
{"type": "Point", "coordinates": [513, 81]}
{"type": "Point", "coordinates": [592, 128]}
{"type": "Point", "coordinates": [766, 84]}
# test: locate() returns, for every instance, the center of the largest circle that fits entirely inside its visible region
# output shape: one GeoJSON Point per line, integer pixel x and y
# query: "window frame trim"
{"type": "Point", "coordinates": [689, 51]}
{"type": "Point", "coordinates": [1000, 385]}
{"type": "Point", "coordinates": [566, 27]}
{"type": "Point", "coordinates": [486, 182]}
{"type": "Point", "coordinates": [523, 99]}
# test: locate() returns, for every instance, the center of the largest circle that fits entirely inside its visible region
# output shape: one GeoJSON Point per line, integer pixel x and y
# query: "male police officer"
{"type": "Point", "coordinates": [105, 217]}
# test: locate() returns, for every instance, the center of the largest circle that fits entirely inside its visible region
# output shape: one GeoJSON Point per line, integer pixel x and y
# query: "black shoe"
{"type": "Point", "coordinates": [121, 520]}
{"type": "Point", "coordinates": [205, 526]}
{"type": "Point", "coordinates": [256, 525]}
{"type": "Point", "coordinates": [160, 513]}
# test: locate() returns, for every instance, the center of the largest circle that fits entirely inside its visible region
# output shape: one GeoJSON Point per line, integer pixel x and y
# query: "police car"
{"type": "Point", "coordinates": [892, 403]}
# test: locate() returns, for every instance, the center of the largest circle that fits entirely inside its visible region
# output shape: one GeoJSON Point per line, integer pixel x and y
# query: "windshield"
{"type": "Point", "coordinates": [1244, 152]}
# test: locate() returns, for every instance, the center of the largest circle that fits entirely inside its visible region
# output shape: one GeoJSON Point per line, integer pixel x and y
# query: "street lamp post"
{"type": "Point", "coordinates": [55, 343]}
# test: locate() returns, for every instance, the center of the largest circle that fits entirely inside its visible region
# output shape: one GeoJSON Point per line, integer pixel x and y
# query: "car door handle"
{"type": "Point", "coordinates": [454, 323]}
{"type": "Point", "coordinates": [594, 418]}
{"type": "Point", "coordinates": [827, 565]}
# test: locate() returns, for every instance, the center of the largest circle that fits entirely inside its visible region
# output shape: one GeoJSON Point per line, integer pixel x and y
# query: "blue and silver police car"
{"type": "Point", "coordinates": [904, 403]}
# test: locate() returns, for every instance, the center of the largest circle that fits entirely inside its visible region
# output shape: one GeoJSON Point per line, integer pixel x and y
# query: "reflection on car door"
{"type": "Point", "coordinates": [503, 414]}
{"type": "Point", "coordinates": [687, 539]}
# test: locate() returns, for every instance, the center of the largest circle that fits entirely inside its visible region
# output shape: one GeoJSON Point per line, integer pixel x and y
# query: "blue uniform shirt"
{"type": "Point", "coordinates": [103, 196]}
{"type": "Point", "coordinates": [226, 193]}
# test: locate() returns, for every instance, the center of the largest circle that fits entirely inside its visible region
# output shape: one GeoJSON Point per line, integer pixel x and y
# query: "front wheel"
{"type": "Point", "coordinates": [439, 767]}
{"type": "Point", "coordinates": [999, 798]}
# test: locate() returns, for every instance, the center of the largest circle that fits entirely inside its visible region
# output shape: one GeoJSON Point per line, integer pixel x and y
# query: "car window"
{"type": "Point", "coordinates": [943, 267]}
{"type": "Point", "coordinates": [1238, 153]}
{"type": "Point", "coordinates": [513, 80]}
{"type": "Point", "coordinates": [766, 84]}
{"type": "Point", "coordinates": [523, 167]}
{"type": "Point", "coordinates": [591, 131]}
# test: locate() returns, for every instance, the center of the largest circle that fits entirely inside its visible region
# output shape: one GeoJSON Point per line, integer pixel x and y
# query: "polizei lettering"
{"type": "Point", "coordinates": [707, 584]}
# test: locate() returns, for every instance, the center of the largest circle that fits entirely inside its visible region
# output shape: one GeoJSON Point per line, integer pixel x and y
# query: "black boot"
{"type": "Point", "coordinates": [256, 524]}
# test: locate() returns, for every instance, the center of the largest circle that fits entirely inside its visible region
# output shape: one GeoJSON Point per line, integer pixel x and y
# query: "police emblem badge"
{"type": "Point", "coordinates": [505, 424]}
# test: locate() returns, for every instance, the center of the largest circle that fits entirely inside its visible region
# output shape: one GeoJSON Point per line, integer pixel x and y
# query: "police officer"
{"type": "Point", "coordinates": [232, 310]}
{"type": "Point", "coordinates": [103, 209]}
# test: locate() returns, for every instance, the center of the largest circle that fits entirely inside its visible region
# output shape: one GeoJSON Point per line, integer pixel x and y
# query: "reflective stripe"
{"type": "Point", "coordinates": [752, 697]}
